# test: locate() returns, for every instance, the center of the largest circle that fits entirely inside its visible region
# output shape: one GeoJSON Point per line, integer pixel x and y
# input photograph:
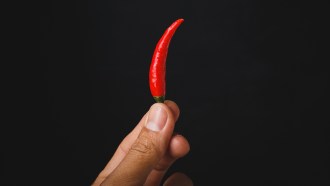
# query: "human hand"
{"type": "Point", "coordinates": [145, 154]}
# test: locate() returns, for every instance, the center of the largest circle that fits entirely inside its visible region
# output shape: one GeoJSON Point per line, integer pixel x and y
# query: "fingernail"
{"type": "Point", "coordinates": [156, 119]}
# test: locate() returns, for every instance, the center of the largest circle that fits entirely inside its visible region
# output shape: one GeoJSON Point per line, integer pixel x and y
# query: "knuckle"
{"type": "Point", "coordinates": [144, 144]}
{"type": "Point", "coordinates": [161, 166]}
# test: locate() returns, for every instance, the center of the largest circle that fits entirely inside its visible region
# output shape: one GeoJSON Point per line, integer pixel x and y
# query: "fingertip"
{"type": "Point", "coordinates": [178, 179]}
{"type": "Point", "coordinates": [178, 147]}
{"type": "Point", "coordinates": [173, 107]}
{"type": "Point", "coordinates": [171, 115]}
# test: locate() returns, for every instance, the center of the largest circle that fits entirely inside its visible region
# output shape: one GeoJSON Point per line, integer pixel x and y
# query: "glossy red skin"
{"type": "Point", "coordinates": [157, 70]}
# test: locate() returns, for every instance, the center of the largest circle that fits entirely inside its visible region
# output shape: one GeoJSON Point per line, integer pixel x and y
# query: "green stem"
{"type": "Point", "coordinates": [159, 99]}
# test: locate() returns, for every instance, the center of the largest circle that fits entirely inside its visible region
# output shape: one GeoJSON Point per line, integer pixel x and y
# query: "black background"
{"type": "Point", "coordinates": [250, 78]}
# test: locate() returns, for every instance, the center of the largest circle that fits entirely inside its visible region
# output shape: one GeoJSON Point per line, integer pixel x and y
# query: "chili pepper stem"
{"type": "Point", "coordinates": [159, 99]}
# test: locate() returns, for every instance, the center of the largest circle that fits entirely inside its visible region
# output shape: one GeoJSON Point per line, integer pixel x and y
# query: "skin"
{"type": "Point", "coordinates": [145, 154]}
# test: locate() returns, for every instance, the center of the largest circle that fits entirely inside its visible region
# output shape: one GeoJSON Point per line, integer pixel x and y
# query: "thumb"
{"type": "Point", "coordinates": [147, 150]}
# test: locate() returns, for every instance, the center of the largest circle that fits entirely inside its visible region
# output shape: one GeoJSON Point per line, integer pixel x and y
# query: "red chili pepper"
{"type": "Point", "coordinates": [158, 64]}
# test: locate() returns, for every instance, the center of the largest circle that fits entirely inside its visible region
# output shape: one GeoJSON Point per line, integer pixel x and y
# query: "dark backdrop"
{"type": "Point", "coordinates": [250, 78]}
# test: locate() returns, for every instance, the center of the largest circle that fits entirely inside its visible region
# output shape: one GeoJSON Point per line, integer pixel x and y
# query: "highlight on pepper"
{"type": "Point", "coordinates": [157, 70]}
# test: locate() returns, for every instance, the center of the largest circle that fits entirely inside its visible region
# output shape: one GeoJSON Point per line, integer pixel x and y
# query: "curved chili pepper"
{"type": "Point", "coordinates": [158, 64]}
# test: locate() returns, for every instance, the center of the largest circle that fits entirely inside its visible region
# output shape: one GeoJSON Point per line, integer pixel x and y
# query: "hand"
{"type": "Point", "coordinates": [145, 154]}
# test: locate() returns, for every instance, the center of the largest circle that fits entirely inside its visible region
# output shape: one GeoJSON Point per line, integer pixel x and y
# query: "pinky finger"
{"type": "Point", "coordinates": [178, 179]}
